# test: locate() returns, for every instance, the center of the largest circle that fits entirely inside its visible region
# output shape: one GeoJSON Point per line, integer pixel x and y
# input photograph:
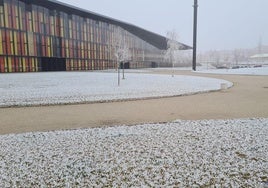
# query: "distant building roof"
{"type": "Point", "coordinates": [154, 39]}
{"type": "Point", "coordinates": [259, 56]}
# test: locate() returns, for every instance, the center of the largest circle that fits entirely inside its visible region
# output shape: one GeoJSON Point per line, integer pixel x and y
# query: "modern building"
{"type": "Point", "coordinates": [260, 58]}
{"type": "Point", "coordinates": [47, 35]}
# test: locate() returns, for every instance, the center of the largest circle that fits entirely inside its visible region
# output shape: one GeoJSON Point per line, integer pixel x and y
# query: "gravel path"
{"type": "Point", "coordinates": [218, 153]}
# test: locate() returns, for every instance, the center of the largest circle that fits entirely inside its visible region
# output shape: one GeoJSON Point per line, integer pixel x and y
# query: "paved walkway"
{"type": "Point", "coordinates": [248, 98]}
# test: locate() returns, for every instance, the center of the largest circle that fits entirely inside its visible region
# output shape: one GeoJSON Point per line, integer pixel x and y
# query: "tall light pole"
{"type": "Point", "coordinates": [195, 34]}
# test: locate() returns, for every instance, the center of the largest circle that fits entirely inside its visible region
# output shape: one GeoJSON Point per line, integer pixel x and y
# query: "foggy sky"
{"type": "Point", "coordinates": [222, 24]}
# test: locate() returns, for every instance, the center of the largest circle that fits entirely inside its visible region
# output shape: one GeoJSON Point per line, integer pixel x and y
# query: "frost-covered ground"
{"type": "Point", "coordinates": [241, 71]}
{"type": "Point", "coordinates": [207, 153]}
{"type": "Point", "coordinates": [79, 87]}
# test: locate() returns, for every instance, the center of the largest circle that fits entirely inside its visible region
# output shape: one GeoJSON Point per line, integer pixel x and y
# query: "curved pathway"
{"type": "Point", "coordinates": [248, 98]}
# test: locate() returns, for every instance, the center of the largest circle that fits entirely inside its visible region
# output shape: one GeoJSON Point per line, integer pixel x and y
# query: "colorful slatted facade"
{"type": "Point", "coordinates": [32, 35]}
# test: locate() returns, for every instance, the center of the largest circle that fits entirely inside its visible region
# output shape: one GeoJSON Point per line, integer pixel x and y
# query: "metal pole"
{"type": "Point", "coordinates": [195, 34]}
{"type": "Point", "coordinates": [118, 72]}
{"type": "Point", "coordinates": [123, 70]}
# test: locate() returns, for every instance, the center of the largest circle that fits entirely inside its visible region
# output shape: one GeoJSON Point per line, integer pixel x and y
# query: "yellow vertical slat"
{"type": "Point", "coordinates": [33, 64]}
{"type": "Point", "coordinates": [6, 65]}
{"type": "Point", "coordinates": [48, 47]}
{"type": "Point", "coordinates": [52, 25]}
{"type": "Point", "coordinates": [30, 43]}
{"type": "Point", "coordinates": [28, 20]}
{"type": "Point", "coordinates": [9, 64]}
{"type": "Point", "coordinates": [72, 64]}
{"type": "Point", "coordinates": [11, 42]}
{"type": "Point", "coordinates": [17, 16]}
{"type": "Point", "coordinates": [6, 13]}
{"type": "Point", "coordinates": [48, 51]}
{"type": "Point", "coordinates": [61, 27]}
{"type": "Point", "coordinates": [33, 20]}
{"type": "Point", "coordinates": [25, 44]}
{"type": "Point", "coordinates": [2, 17]}
{"type": "Point", "coordinates": [82, 50]}
{"type": "Point", "coordinates": [67, 48]}
{"type": "Point", "coordinates": [20, 15]}
{"type": "Point", "coordinates": [23, 65]}
{"type": "Point", "coordinates": [1, 43]}
{"type": "Point", "coordinates": [51, 47]}
{"type": "Point", "coordinates": [86, 65]}
{"type": "Point", "coordinates": [70, 29]}
{"type": "Point", "coordinates": [85, 33]}
{"type": "Point", "coordinates": [15, 43]}
{"type": "Point", "coordinates": [36, 64]}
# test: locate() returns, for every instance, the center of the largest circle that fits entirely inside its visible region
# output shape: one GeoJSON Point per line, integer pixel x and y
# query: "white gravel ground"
{"type": "Point", "coordinates": [207, 153]}
{"type": "Point", "coordinates": [79, 87]}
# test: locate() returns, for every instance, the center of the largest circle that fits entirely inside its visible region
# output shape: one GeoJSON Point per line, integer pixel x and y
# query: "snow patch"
{"type": "Point", "coordinates": [82, 87]}
{"type": "Point", "coordinates": [262, 71]}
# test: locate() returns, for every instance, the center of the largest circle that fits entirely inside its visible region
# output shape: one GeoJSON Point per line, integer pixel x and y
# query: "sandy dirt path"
{"type": "Point", "coordinates": [248, 98]}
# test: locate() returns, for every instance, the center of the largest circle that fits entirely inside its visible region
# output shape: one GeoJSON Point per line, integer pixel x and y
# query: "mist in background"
{"type": "Point", "coordinates": [222, 24]}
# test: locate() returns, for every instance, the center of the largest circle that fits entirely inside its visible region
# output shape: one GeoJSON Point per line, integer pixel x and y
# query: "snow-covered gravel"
{"type": "Point", "coordinates": [207, 153]}
{"type": "Point", "coordinates": [241, 71]}
{"type": "Point", "coordinates": [79, 87]}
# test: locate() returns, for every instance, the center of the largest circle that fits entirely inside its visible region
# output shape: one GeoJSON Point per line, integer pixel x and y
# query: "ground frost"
{"type": "Point", "coordinates": [82, 87]}
{"type": "Point", "coordinates": [218, 153]}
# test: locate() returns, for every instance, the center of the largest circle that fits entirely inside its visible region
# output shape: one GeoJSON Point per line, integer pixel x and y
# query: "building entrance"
{"type": "Point", "coordinates": [53, 64]}
{"type": "Point", "coordinates": [125, 65]}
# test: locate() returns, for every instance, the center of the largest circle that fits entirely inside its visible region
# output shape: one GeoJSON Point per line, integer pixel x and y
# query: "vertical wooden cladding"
{"type": "Point", "coordinates": [3, 47]}
{"type": "Point", "coordinates": [2, 64]}
{"type": "Point", "coordinates": [29, 32]}
{"type": "Point", "coordinates": [2, 22]}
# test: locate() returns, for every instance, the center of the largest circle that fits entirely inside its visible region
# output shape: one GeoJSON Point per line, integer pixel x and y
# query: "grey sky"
{"type": "Point", "coordinates": [222, 24]}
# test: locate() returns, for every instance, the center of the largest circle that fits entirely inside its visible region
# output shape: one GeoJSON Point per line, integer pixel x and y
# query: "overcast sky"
{"type": "Point", "coordinates": [222, 24]}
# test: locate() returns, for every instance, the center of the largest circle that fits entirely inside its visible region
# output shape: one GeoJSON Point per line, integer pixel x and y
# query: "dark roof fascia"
{"type": "Point", "coordinates": [154, 39]}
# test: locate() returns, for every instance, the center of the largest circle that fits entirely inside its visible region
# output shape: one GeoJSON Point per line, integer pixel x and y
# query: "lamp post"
{"type": "Point", "coordinates": [195, 34]}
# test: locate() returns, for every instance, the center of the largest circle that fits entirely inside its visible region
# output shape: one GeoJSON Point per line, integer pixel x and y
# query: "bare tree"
{"type": "Point", "coordinates": [237, 56]}
{"type": "Point", "coordinates": [172, 47]}
{"type": "Point", "coordinates": [121, 50]}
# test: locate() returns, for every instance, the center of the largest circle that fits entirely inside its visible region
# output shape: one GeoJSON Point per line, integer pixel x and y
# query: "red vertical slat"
{"type": "Point", "coordinates": [71, 49]}
{"type": "Point", "coordinates": [19, 43]}
{"type": "Point", "coordinates": [35, 45]}
{"type": "Point", "coordinates": [2, 64]}
{"type": "Point", "coordinates": [83, 64]}
{"type": "Point", "coordinates": [63, 48]}
{"type": "Point", "coordinates": [17, 65]}
{"type": "Point", "coordinates": [79, 49]}
{"type": "Point", "coordinates": [22, 43]}
{"type": "Point", "coordinates": [4, 43]}
{"type": "Point", "coordinates": [43, 46]}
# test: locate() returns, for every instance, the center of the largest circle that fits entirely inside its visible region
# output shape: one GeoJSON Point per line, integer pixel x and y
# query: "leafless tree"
{"type": "Point", "coordinates": [172, 47]}
{"type": "Point", "coordinates": [121, 50]}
